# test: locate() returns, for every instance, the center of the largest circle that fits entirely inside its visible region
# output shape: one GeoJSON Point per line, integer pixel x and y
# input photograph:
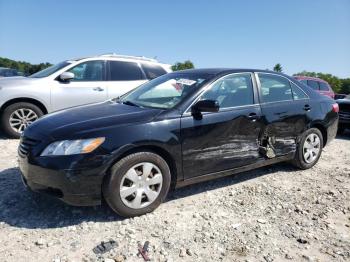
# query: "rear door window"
{"type": "Point", "coordinates": [313, 84]}
{"type": "Point", "coordinates": [323, 86]}
{"type": "Point", "coordinates": [298, 93]}
{"type": "Point", "coordinates": [274, 88]}
{"type": "Point", "coordinates": [124, 71]}
{"type": "Point", "coordinates": [153, 71]}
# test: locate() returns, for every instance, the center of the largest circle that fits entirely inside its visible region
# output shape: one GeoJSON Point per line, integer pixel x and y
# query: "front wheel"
{"type": "Point", "coordinates": [309, 149]}
{"type": "Point", "coordinates": [18, 116]}
{"type": "Point", "coordinates": [137, 184]}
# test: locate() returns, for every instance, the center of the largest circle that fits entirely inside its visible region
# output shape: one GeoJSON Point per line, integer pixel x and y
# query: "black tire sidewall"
{"type": "Point", "coordinates": [9, 110]}
{"type": "Point", "coordinates": [112, 183]}
{"type": "Point", "coordinates": [300, 162]}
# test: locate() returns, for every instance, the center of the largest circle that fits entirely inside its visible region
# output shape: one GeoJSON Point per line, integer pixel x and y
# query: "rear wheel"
{"type": "Point", "coordinates": [137, 184]}
{"type": "Point", "coordinates": [309, 149]}
{"type": "Point", "coordinates": [18, 116]}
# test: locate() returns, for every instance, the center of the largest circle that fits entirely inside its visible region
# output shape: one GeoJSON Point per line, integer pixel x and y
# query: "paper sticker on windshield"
{"type": "Point", "coordinates": [187, 82]}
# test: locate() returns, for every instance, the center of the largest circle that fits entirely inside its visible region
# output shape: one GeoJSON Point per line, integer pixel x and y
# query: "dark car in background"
{"type": "Point", "coordinates": [8, 72]}
{"type": "Point", "coordinates": [344, 114]}
{"type": "Point", "coordinates": [317, 84]}
{"type": "Point", "coordinates": [178, 129]}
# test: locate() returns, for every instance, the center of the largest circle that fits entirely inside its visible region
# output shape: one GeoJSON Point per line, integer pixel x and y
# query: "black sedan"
{"type": "Point", "coordinates": [179, 129]}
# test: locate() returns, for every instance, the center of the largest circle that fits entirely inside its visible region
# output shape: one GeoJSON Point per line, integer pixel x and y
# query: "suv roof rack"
{"type": "Point", "coordinates": [130, 57]}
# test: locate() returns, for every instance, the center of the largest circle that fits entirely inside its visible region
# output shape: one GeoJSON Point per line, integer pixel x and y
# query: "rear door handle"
{"type": "Point", "coordinates": [98, 89]}
{"type": "Point", "coordinates": [253, 117]}
{"type": "Point", "coordinates": [307, 108]}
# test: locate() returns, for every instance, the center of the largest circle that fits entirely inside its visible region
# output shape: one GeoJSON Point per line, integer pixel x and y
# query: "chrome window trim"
{"type": "Point", "coordinates": [188, 111]}
{"type": "Point", "coordinates": [307, 97]}
{"type": "Point", "coordinates": [290, 82]}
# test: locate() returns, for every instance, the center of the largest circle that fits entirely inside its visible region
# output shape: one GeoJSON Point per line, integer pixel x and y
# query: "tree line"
{"type": "Point", "coordinates": [24, 67]}
{"type": "Point", "coordinates": [339, 85]}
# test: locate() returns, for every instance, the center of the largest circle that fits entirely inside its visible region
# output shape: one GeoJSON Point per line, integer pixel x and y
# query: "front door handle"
{"type": "Point", "coordinates": [98, 89]}
{"type": "Point", "coordinates": [307, 107]}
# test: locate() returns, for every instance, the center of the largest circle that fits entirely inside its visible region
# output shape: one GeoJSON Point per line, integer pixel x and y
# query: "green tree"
{"type": "Point", "coordinates": [182, 66]}
{"type": "Point", "coordinates": [345, 88]}
{"type": "Point", "coordinates": [278, 68]}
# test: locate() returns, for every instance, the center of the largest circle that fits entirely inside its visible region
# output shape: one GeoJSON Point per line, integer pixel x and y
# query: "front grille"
{"type": "Point", "coordinates": [344, 115]}
{"type": "Point", "coordinates": [26, 144]}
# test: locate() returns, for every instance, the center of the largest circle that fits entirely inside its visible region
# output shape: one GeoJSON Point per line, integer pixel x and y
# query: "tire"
{"type": "Point", "coordinates": [11, 109]}
{"type": "Point", "coordinates": [299, 159]}
{"type": "Point", "coordinates": [127, 206]}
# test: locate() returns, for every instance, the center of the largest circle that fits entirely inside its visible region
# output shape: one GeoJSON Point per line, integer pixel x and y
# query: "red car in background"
{"type": "Point", "coordinates": [317, 84]}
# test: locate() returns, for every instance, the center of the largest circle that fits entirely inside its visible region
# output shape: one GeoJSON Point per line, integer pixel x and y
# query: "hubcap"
{"type": "Point", "coordinates": [21, 118]}
{"type": "Point", "coordinates": [141, 185]}
{"type": "Point", "coordinates": [311, 148]}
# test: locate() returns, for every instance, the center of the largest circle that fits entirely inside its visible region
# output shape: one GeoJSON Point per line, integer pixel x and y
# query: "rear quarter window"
{"type": "Point", "coordinates": [153, 71]}
{"type": "Point", "coordinates": [313, 84]}
{"type": "Point", "coordinates": [324, 86]}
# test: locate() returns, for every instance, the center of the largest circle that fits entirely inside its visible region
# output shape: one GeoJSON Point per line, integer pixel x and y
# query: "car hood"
{"type": "Point", "coordinates": [16, 81]}
{"type": "Point", "coordinates": [83, 120]}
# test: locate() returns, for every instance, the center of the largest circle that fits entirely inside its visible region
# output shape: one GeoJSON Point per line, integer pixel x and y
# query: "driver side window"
{"type": "Point", "coordinates": [232, 91]}
{"type": "Point", "coordinates": [88, 71]}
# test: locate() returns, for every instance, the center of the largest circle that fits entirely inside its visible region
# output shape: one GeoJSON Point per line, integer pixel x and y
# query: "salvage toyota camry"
{"type": "Point", "coordinates": [178, 129]}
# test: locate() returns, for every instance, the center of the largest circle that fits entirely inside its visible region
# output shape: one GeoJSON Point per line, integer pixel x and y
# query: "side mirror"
{"type": "Point", "coordinates": [205, 106]}
{"type": "Point", "coordinates": [66, 76]}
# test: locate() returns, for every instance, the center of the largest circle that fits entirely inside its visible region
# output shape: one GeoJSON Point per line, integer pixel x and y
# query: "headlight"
{"type": "Point", "coordinates": [72, 147]}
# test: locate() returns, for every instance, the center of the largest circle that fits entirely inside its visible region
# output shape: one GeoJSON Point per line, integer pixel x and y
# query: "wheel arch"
{"type": "Point", "coordinates": [33, 101]}
{"type": "Point", "coordinates": [323, 130]}
{"type": "Point", "coordinates": [154, 149]}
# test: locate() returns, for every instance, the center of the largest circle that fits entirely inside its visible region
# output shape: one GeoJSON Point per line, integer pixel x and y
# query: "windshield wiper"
{"type": "Point", "coordinates": [129, 103]}
{"type": "Point", "coordinates": [116, 99]}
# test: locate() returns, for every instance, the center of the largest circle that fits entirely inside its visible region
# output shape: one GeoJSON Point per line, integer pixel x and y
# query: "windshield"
{"type": "Point", "coordinates": [50, 70]}
{"type": "Point", "coordinates": [165, 92]}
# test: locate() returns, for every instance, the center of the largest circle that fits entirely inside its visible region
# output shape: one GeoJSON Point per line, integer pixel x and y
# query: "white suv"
{"type": "Point", "coordinates": [71, 83]}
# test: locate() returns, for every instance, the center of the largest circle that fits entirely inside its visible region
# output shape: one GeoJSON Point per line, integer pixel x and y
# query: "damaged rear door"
{"type": "Point", "coordinates": [284, 107]}
{"type": "Point", "coordinates": [226, 139]}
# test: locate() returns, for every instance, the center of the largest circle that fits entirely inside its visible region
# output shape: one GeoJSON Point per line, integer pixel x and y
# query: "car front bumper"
{"type": "Point", "coordinates": [76, 185]}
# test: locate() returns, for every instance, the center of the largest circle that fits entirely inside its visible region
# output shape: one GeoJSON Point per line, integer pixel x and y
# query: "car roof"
{"type": "Point", "coordinates": [113, 56]}
{"type": "Point", "coordinates": [219, 71]}
{"type": "Point", "coordinates": [309, 78]}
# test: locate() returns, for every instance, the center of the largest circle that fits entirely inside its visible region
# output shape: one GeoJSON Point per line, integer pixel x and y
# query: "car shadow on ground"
{"type": "Point", "coordinates": [345, 135]}
{"type": "Point", "coordinates": [2, 135]}
{"type": "Point", "coordinates": [24, 209]}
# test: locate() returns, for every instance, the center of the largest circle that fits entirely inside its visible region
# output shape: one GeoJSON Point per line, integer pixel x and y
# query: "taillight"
{"type": "Point", "coordinates": [335, 108]}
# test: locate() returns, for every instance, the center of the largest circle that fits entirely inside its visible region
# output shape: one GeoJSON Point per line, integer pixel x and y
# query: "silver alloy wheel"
{"type": "Point", "coordinates": [21, 118]}
{"type": "Point", "coordinates": [141, 185]}
{"type": "Point", "coordinates": [311, 148]}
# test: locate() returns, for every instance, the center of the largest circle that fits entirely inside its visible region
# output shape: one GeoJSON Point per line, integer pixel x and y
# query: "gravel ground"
{"type": "Point", "coordinates": [277, 213]}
